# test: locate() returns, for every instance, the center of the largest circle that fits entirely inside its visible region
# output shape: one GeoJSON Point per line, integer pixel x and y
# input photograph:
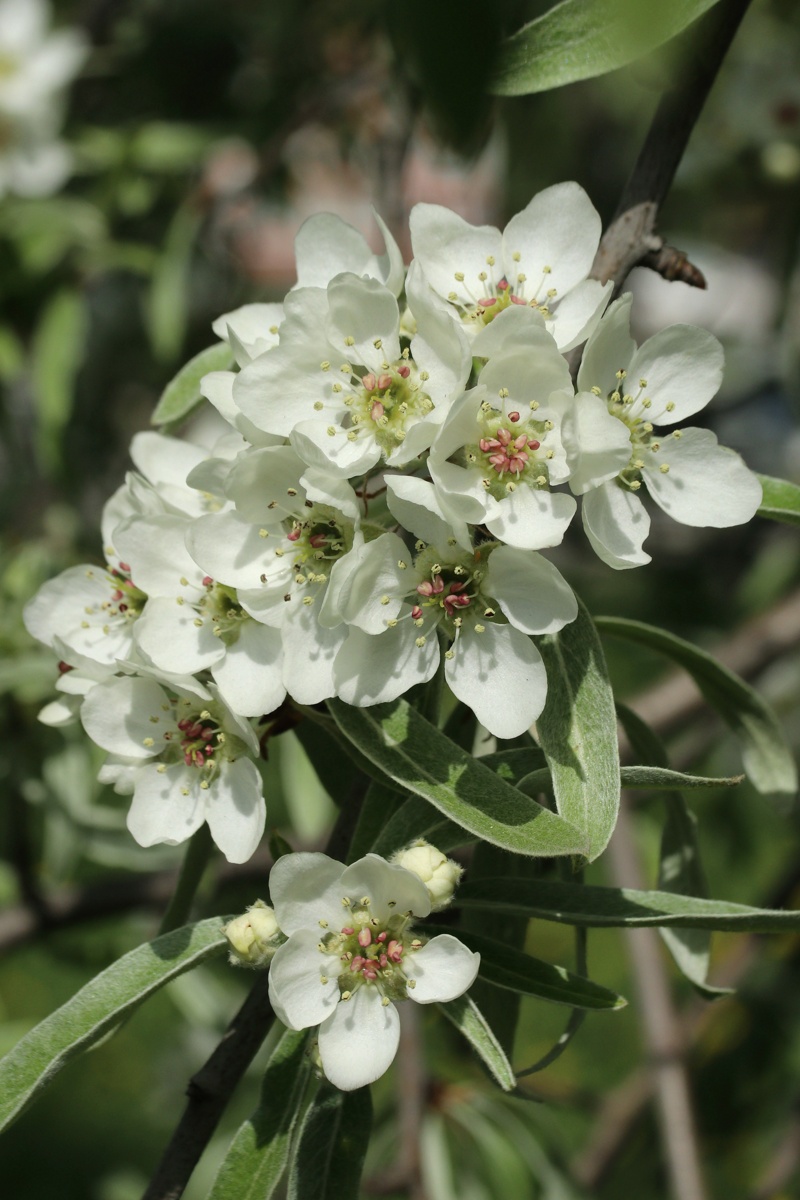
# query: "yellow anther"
{"type": "Point", "coordinates": [349, 341]}
{"type": "Point", "coordinates": [325, 365]}
{"type": "Point", "coordinates": [459, 276]}
{"type": "Point", "coordinates": [664, 468]}
{"type": "Point", "coordinates": [670, 406]}
{"type": "Point", "coordinates": [516, 256]}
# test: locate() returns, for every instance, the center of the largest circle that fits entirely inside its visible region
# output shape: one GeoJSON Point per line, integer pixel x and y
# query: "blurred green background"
{"type": "Point", "coordinates": [203, 135]}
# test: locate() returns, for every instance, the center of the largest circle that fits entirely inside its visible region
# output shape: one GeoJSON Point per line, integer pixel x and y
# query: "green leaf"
{"type": "Point", "coordinates": [767, 759]}
{"type": "Point", "coordinates": [182, 394]}
{"type": "Point", "coordinates": [415, 818]}
{"type": "Point", "coordinates": [579, 904]}
{"type": "Point", "coordinates": [639, 777]}
{"type": "Point", "coordinates": [781, 500]}
{"type": "Point", "coordinates": [579, 39]}
{"type": "Point", "coordinates": [167, 302]}
{"type": "Point", "coordinates": [578, 732]}
{"type": "Point", "coordinates": [99, 1007]}
{"type": "Point", "coordinates": [59, 344]}
{"type": "Point", "coordinates": [422, 760]}
{"type": "Point", "coordinates": [377, 810]}
{"type": "Point", "coordinates": [259, 1152]}
{"type": "Point", "coordinates": [469, 1020]}
{"type": "Point", "coordinates": [679, 862]}
{"type": "Point", "coordinates": [516, 971]}
{"type": "Point", "coordinates": [329, 1155]}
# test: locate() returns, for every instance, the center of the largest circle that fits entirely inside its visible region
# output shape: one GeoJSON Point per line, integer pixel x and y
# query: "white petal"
{"type": "Point", "coordinates": [69, 608]}
{"type": "Point", "coordinates": [598, 444]}
{"type": "Point", "coordinates": [609, 349]}
{"type": "Point", "coordinates": [358, 1042]}
{"type": "Point", "coordinates": [235, 809]}
{"type": "Point", "coordinates": [155, 549]}
{"type": "Point", "coordinates": [445, 244]}
{"type": "Point", "coordinates": [706, 485]}
{"type": "Point", "coordinates": [249, 678]}
{"type": "Point", "coordinates": [160, 812]}
{"type": "Point", "coordinates": [326, 245]}
{"type": "Point", "coordinates": [440, 346]}
{"type": "Point", "coordinates": [255, 327]}
{"type": "Point", "coordinates": [264, 484]}
{"type": "Point", "coordinates": [309, 652]}
{"type": "Point", "coordinates": [500, 675]}
{"type": "Point", "coordinates": [391, 889]}
{"type": "Point", "coordinates": [515, 327]}
{"type": "Point", "coordinates": [559, 229]}
{"type": "Point", "coordinates": [531, 375]}
{"type": "Point", "coordinates": [532, 519]}
{"type": "Point", "coordinates": [304, 889]}
{"type": "Point", "coordinates": [232, 550]}
{"type": "Point", "coordinates": [278, 389]}
{"type": "Point", "coordinates": [377, 576]}
{"type": "Point", "coordinates": [443, 969]}
{"type": "Point", "coordinates": [683, 367]}
{"type": "Point", "coordinates": [165, 462]}
{"type": "Point", "coordinates": [335, 452]}
{"type": "Point", "coordinates": [166, 633]}
{"type": "Point", "coordinates": [530, 590]}
{"type": "Point", "coordinates": [217, 387]}
{"type": "Point", "coordinates": [579, 313]}
{"type": "Point", "coordinates": [616, 524]}
{"type": "Point", "coordinates": [416, 506]}
{"type": "Point", "coordinates": [364, 310]}
{"type": "Point", "coordinates": [376, 669]}
{"type": "Point", "coordinates": [296, 990]}
{"type": "Point", "coordinates": [323, 488]}
{"type": "Point", "coordinates": [116, 715]}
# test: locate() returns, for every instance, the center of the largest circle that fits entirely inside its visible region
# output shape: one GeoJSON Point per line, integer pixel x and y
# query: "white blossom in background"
{"type": "Point", "coordinates": [36, 66]}
{"type": "Point", "coordinates": [326, 246]}
{"type": "Point", "coordinates": [184, 756]}
{"type": "Point", "coordinates": [352, 953]}
{"type": "Point", "coordinates": [687, 473]}
{"type": "Point", "coordinates": [541, 262]}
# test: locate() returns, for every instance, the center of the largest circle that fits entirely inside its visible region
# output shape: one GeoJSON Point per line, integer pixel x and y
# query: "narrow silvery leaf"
{"type": "Point", "coordinates": [578, 731]}
{"type": "Point", "coordinates": [182, 394]}
{"type": "Point", "coordinates": [329, 1154]}
{"type": "Point", "coordinates": [422, 760]}
{"type": "Point", "coordinates": [469, 1020]}
{"type": "Point", "coordinates": [259, 1152]}
{"type": "Point", "coordinates": [380, 803]}
{"type": "Point", "coordinates": [509, 968]}
{"type": "Point", "coordinates": [781, 500]}
{"type": "Point", "coordinates": [99, 1007]}
{"type": "Point", "coordinates": [765, 754]}
{"type": "Point", "coordinates": [602, 907]}
{"type": "Point", "coordinates": [578, 39]}
{"type": "Point", "coordinates": [679, 869]}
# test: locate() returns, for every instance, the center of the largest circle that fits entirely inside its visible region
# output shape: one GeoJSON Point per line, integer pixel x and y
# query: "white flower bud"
{"type": "Point", "coordinates": [254, 937]}
{"type": "Point", "coordinates": [439, 873]}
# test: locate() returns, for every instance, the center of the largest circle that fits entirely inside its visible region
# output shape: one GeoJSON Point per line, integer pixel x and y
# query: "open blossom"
{"type": "Point", "coordinates": [341, 387]}
{"type": "Point", "coordinates": [185, 757]}
{"type": "Point", "coordinates": [352, 953]}
{"type": "Point", "coordinates": [687, 473]}
{"type": "Point", "coordinates": [540, 262]}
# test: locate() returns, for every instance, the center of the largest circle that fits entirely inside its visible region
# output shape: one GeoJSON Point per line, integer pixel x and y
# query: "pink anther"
{"type": "Point", "coordinates": [404, 371]}
{"type": "Point", "coordinates": [384, 382]}
{"type": "Point", "coordinates": [369, 382]}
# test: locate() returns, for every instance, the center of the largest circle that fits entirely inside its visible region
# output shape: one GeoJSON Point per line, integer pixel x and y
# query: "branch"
{"type": "Point", "coordinates": [631, 238]}
{"type": "Point", "coordinates": [209, 1091]}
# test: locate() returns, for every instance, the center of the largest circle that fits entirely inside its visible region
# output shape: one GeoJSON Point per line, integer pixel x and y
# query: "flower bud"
{"type": "Point", "coordinates": [439, 873]}
{"type": "Point", "coordinates": [254, 937]}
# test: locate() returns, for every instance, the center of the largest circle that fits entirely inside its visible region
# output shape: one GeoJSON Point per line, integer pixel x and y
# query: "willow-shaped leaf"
{"type": "Point", "coordinates": [578, 39]}
{"type": "Point", "coordinates": [98, 1007]}
{"type": "Point", "coordinates": [417, 756]}
{"type": "Point", "coordinates": [182, 394]}
{"type": "Point", "coordinates": [329, 1155]}
{"type": "Point", "coordinates": [578, 731]}
{"type": "Point", "coordinates": [767, 758]}
{"type": "Point", "coordinates": [579, 904]}
{"type": "Point", "coordinates": [781, 500]}
{"type": "Point", "coordinates": [470, 1021]}
{"type": "Point", "coordinates": [259, 1152]}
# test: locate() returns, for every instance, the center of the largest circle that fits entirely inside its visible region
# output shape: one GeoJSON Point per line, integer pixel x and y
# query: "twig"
{"type": "Point", "coordinates": [631, 237]}
{"type": "Point", "coordinates": [661, 1030]}
{"type": "Point", "coordinates": [209, 1091]}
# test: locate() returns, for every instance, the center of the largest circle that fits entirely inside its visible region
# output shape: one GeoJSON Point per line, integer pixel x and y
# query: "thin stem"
{"type": "Point", "coordinates": [198, 852]}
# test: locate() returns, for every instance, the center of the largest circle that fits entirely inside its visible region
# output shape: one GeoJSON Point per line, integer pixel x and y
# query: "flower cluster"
{"type": "Point", "coordinates": [342, 950]}
{"type": "Point", "coordinates": [35, 68]}
{"type": "Point", "coordinates": [397, 447]}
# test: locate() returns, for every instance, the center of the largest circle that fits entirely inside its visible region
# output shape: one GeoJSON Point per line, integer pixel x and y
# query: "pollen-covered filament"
{"type": "Point", "coordinates": [372, 952]}
{"type": "Point", "coordinates": [385, 405]}
{"type": "Point", "coordinates": [631, 408]}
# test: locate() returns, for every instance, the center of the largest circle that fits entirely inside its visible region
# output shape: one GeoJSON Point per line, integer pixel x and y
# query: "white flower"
{"type": "Point", "coordinates": [485, 602]}
{"type": "Point", "coordinates": [250, 330]}
{"type": "Point", "coordinates": [499, 449]}
{"type": "Point", "coordinates": [185, 757]}
{"type": "Point", "coordinates": [351, 953]}
{"type": "Point", "coordinates": [340, 386]}
{"type": "Point", "coordinates": [541, 261]}
{"type": "Point", "coordinates": [254, 936]}
{"type": "Point", "coordinates": [327, 246]}
{"type": "Point", "coordinates": [694, 480]}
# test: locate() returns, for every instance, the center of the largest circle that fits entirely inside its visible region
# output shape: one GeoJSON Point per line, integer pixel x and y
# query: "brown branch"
{"type": "Point", "coordinates": [209, 1091]}
{"type": "Point", "coordinates": [631, 238]}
